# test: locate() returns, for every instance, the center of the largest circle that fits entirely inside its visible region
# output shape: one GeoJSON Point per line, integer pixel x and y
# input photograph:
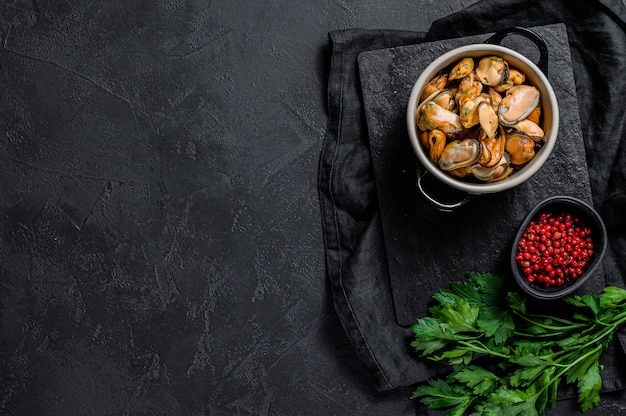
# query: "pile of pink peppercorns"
{"type": "Point", "coordinates": [554, 249]}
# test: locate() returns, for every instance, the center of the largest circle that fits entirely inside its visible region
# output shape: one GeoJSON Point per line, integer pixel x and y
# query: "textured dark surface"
{"type": "Point", "coordinates": [160, 241]}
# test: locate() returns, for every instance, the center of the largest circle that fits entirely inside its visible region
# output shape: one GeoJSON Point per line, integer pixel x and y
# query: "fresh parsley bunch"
{"type": "Point", "coordinates": [527, 355]}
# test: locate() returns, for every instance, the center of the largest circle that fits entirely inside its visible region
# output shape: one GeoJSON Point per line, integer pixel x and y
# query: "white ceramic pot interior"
{"type": "Point", "coordinates": [534, 76]}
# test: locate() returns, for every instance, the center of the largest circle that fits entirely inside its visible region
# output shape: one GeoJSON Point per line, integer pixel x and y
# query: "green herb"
{"type": "Point", "coordinates": [528, 354]}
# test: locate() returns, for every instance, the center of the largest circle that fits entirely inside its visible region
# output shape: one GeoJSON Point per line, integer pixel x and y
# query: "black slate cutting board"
{"type": "Point", "coordinates": [427, 249]}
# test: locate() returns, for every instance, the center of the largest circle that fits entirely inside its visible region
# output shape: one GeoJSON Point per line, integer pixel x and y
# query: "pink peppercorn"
{"type": "Point", "coordinates": [554, 249]}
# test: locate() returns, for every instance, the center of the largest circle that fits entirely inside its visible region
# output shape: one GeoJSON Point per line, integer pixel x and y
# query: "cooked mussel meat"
{"type": "Point", "coordinates": [492, 70]}
{"type": "Point", "coordinates": [498, 172]}
{"type": "Point", "coordinates": [445, 99]}
{"type": "Point", "coordinates": [515, 78]}
{"type": "Point", "coordinates": [424, 135]}
{"type": "Point", "coordinates": [461, 69]}
{"type": "Point", "coordinates": [518, 103]}
{"type": "Point", "coordinates": [432, 116]}
{"type": "Point", "coordinates": [488, 118]}
{"type": "Point", "coordinates": [459, 153]}
{"type": "Point", "coordinates": [436, 143]}
{"type": "Point", "coordinates": [460, 172]}
{"type": "Point", "coordinates": [481, 119]}
{"type": "Point", "coordinates": [469, 111]}
{"type": "Point", "coordinates": [469, 88]}
{"type": "Point", "coordinates": [492, 147]}
{"type": "Point", "coordinates": [437, 83]}
{"type": "Point", "coordinates": [520, 147]}
{"type": "Point", "coordinates": [535, 115]}
{"type": "Point", "coordinates": [529, 127]}
{"type": "Point", "coordinates": [495, 96]}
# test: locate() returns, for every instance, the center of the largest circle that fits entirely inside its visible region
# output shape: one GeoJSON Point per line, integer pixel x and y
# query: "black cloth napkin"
{"type": "Point", "coordinates": [358, 261]}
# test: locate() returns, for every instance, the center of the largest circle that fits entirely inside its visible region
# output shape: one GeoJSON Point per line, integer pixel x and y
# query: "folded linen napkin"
{"type": "Point", "coordinates": [358, 260]}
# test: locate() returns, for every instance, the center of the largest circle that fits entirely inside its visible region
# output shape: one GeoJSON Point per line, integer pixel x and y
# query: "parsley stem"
{"type": "Point", "coordinates": [482, 348]}
{"type": "Point", "coordinates": [595, 350]}
{"type": "Point", "coordinates": [609, 330]}
{"type": "Point", "coordinates": [546, 335]}
{"type": "Point", "coordinates": [550, 327]}
{"type": "Point", "coordinates": [553, 318]}
{"type": "Point", "coordinates": [619, 319]}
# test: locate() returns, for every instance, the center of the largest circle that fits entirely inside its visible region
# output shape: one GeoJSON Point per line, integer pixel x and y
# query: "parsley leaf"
{"type": "Point", "coordinates": [439, 394]}
{"type": "Point", "coordinates": [496, 322]}
{"type": "Point", "coordinates": [589, 387]}
{"type": "Point", "coordinates": [481, 381]}
{"type": "Point", "coordinates": [529, 354]}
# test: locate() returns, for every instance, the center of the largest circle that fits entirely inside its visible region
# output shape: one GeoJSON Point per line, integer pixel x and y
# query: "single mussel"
{"type": "Point", "coordinates": [495, 173]}
{"type": "Point", "coordinates": [459, 153]}
{"type": "Point", "coordinates": [470, 87]}
{"type": "Point", "coordinates": [492, 70]}
{"type": "Point", "coordinates": [436, 144]}
{"type": "Point", "coordinates": [515, 78]}
{"type": "Point", "coordinates": [530, 128]}
{"type": "Point", "coordinates": [520, 147]}
{"type": "Point", "coordinates": [518, 103]}
{"type": "Point", "coordinates": [492, 148]}
{"type": "Point", "coordinates": [437, 83]}
{"type": "Point", "coordinates": [432, 116]}
{"type": "Point", "coordinates": [445, 99]}
{"type": "Point", "coordinates": [469, 111]}
{"type": "Point", "coordinates": [488, 118]}
{"type": "Point", "coordinates": [461, 69]}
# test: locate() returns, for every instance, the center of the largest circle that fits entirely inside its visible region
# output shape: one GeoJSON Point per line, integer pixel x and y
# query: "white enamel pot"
{"type": "Point", "coordinates": [536, 74]}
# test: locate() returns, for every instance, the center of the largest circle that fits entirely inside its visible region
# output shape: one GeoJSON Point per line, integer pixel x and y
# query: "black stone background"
{"type": "Point", "coordinates": [160, 240]}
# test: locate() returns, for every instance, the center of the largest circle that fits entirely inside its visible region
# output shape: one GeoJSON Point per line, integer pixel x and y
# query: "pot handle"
{"type": "Point", "coordinates": [437, 204]}
{"type": "Point", "coordinates": [528, 34]}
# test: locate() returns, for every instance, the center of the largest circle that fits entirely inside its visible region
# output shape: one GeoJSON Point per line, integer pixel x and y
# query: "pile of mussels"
{"type": "Point", "coordinates": [479, 119]}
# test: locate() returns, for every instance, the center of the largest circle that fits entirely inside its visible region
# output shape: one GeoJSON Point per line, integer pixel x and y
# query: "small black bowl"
{"type": "Point", "coordinates": [590, 218]}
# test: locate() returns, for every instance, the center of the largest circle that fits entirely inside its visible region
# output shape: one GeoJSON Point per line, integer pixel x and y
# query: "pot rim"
{"type": "Point", "coordinates": [522, 63]}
